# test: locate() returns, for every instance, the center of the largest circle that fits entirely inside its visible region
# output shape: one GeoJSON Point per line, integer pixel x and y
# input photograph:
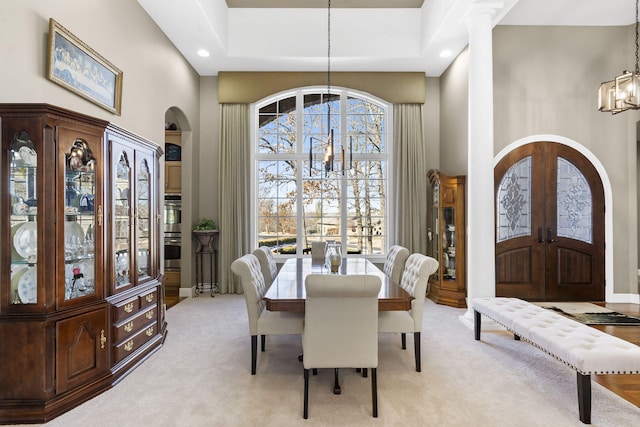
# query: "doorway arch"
{"type": "Point", "coordinates": [606, 184]}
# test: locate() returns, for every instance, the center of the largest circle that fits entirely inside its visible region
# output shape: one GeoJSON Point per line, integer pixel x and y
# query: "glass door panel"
{"type": "Point", "coordinates": [79, 224]}
{"type": "Point", "coordinates": [122, 220]}
{"type": "Point", "coordinates": [23, 164]}
{"type": "Point", "coordinates": [143, 215]}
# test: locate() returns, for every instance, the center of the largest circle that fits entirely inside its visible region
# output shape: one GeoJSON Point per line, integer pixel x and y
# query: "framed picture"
{"type": "Point", "coordinates": [75, 66]}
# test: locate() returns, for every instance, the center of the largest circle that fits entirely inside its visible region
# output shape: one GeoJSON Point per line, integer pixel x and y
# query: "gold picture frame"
{"type": "Point", "coordinates": [75, 66]}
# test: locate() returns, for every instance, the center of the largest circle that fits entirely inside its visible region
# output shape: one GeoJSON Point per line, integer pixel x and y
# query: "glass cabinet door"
{"type": "Point", "coordinates": [23, 220]}
{"type": "Point", "coordinates": [122, 234]}
{"type": "Point", "coordinates": [143, 217]}
{"type": "Point", "coordinates": [448, 244]}
{"type": "Point", "coordinates": [79, 236]}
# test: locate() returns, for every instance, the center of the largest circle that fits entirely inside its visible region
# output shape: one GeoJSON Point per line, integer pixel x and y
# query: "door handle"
{"type": "Point", "coordinates": [540, 239]}
{"type": "Point", "coordinates": [549, 236]}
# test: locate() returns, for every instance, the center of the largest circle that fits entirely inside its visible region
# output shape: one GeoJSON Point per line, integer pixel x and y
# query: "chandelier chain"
{"type": "Point", "coordinates": [637, 67]}
{"type": "Point", "coordinates": [329, 66]}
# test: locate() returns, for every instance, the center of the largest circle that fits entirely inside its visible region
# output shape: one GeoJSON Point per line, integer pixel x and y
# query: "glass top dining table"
{"type": "Point", "coordinates": [287, 291]}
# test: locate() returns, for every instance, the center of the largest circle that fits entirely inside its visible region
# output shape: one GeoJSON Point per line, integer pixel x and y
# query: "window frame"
{"type": "Point", "coordinates": [300, 156]}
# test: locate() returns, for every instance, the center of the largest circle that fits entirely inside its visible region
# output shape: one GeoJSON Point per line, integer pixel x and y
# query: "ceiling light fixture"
{"type": "Point", "coordinates": [203, 53]}
{"type": "Point", "coordinates": [622, 93]}
{"type": "Point", "coordinates": [445, 53]}
{"type": "Point", "coordinates": [328, 161]}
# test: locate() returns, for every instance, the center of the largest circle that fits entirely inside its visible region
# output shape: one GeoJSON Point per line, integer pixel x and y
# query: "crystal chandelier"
{"type": "Point", "coordinates": [622, 93]}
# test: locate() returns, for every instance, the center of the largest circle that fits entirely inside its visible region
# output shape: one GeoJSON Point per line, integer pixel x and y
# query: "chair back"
{"type": "Point", "coordinates": [341, 321]}
{"type": "Point", "coordinates": [415, 279]}
{"type": "Point", "coordinates": [394, 264]}
{"type": "Point", "coordinates": [267, 264]}
{"type": "Point", "coordinates": [317, 252]}
{"type": "Point", "coordinates": [247, 268]}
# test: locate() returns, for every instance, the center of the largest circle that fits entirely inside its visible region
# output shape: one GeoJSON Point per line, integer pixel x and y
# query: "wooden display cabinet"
{"type": "Point", "coordinates": [59, 289]}
{"type": "Point", "coordinates": [446, 239]}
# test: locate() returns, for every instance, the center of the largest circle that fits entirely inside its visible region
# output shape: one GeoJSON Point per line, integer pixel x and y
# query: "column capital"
{"type": "Point", "coordinates": [479, 9]}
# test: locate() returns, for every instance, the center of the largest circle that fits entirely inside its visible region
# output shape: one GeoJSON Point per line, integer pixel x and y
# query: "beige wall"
{"type": "Point", "coordinates": [545, 82]}
{"type": "Point", "coordinates": [156, 76]}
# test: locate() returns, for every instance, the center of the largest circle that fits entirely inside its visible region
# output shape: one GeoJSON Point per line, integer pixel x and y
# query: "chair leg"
{"type": "Point", "coordinates": [364, 373]}
{"type": "Point", "coordinates": [305, 411]}
{"type": "Point", "coordinates": [262, 342]}
{"type": "Point", "coordinates": [374, 391]}
{"type": "Point", "coordinates": [416, 345]}
{"type": "Point", "coordinates": [403, 336]}
{"type": "Point", "coordinates": [254, 351]}
{"type": "Point", "coordinates": [336, 384]}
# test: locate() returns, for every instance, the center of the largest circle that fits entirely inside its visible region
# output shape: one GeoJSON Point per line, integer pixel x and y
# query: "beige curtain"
{"type": "Point", "coordinates": [234, 175]}
{"type": "Point", "coordinates": [410, 178]}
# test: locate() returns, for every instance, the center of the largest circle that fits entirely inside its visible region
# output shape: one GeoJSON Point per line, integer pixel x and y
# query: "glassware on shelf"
{"type": "Point", "coordinates": [333, 256]}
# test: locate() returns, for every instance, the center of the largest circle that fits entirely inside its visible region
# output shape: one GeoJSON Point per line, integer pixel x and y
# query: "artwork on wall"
{"type": "Point", "coordinates": [75, 66]}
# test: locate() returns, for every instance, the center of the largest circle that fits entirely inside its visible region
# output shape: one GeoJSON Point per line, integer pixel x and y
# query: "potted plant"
{"type": "Point", "coordinates": [204, 231]}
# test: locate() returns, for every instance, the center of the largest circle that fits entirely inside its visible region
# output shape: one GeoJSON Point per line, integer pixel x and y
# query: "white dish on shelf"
{"type": "Point", "coordinates": [28, 155]}
{"type": "Point", "coordinates": [28, 286]}
{"type": "Point", "coordinates": [25, 239]}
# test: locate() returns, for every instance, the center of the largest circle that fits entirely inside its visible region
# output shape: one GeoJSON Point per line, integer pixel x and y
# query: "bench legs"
{"type": "Point", "coordinates": [584, 397]}
{"type": "Point", "coordinates": [477, 323]}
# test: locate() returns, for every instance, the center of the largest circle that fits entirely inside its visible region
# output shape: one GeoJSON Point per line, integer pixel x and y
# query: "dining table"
{"type": "Point", "coordinates": [287, 292]}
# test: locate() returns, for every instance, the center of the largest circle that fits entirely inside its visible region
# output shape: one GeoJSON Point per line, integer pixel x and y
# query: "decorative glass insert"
{"type": "Point", "coordinates": [24, 219]}
{"type": "Point", "coordinates": [513, 202]}
{"type": "Point", "coordinates": [574, 203]}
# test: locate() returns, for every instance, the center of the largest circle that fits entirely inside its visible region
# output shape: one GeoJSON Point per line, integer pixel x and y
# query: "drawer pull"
{"type": "Point", "coordinates": [149, 331]}
{"type": "Point", "coordinates": [128, 327]}
{"type": "Point", "coordinates": [128, 307]}
{"type": "Point", "coordinates": [149, 298]}
{"type": "Point", "coordinates": [103, 339]}
{"type": "Point", "coordinates": [128, 346]}
{"type": "Point", "coordinates": [149, 314]}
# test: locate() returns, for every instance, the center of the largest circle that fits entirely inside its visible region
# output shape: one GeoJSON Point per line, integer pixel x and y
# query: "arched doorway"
{"type": "Point", "coordinates": [550, 229]}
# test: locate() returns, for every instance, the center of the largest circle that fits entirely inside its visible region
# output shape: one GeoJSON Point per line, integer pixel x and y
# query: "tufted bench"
{"type": "Point", "coordinates": [583, 348]}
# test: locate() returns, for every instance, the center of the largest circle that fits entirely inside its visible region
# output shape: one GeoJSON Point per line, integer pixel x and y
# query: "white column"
{"type": "Point", "coordinates": [480, 197]}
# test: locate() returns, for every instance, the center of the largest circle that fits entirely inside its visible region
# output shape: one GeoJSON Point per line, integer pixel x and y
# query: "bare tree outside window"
{"type": "Point", "coordinates": [301, 197]}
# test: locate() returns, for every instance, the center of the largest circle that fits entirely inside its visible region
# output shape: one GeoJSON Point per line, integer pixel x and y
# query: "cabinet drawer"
{"type": "Point", "coordinates": [134, 342]}
{"type": "Point", "coordinates": [149, 298]}
{"type": "Point", "coordinates": [125, 309]}
{"type": "Point", "coordinates": [130, 326]}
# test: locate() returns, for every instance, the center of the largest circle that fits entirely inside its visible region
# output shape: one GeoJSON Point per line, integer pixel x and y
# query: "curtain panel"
{"type": "Point", "coordinates": [409, 178]}
{"type": "Point", "coordinates": [234, 174]}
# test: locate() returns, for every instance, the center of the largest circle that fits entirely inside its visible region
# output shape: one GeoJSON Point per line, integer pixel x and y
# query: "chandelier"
{"type": "Point", "coordinates": [622, 93]}
{"type": "Point", "coordinates": [328, 161]}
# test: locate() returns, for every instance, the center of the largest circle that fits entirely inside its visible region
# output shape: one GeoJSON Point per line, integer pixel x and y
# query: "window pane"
{"type": "Point", "coordinates": [339, 177]}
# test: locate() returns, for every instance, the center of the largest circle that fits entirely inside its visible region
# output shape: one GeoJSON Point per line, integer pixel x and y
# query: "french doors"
{"type": "Point", "coordinates": [549, 225]}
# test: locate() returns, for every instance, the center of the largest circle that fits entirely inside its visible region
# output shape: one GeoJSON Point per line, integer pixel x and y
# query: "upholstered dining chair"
{"type": "Point", "coordinates": [340, 328]}
{"type": "Point", "coordinates": [415, 279]}
{"type": "Point", "coordinates": [394, 264]}
{"type": "Point", "coordinates": [267, 264]}
{"type": "Point", "coordinates": [262, 321]}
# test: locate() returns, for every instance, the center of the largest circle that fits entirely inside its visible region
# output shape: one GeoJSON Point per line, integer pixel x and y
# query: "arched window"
{"type": "Point", "coordinates": [321, 167]}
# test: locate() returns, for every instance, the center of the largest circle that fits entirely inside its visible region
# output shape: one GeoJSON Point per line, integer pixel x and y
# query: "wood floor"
{"type": "Point", "coordinates": [626, 386]}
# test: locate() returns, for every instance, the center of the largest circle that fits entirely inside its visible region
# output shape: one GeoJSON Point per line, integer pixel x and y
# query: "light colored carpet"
{"type": "Point", "coordinates": [575, 307]}
{"type": "Point", "coordinates": [201, 377]}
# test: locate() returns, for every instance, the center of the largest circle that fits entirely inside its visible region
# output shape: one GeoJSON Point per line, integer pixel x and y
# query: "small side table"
{"type": "Point", "coordinates": [206, 248]}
